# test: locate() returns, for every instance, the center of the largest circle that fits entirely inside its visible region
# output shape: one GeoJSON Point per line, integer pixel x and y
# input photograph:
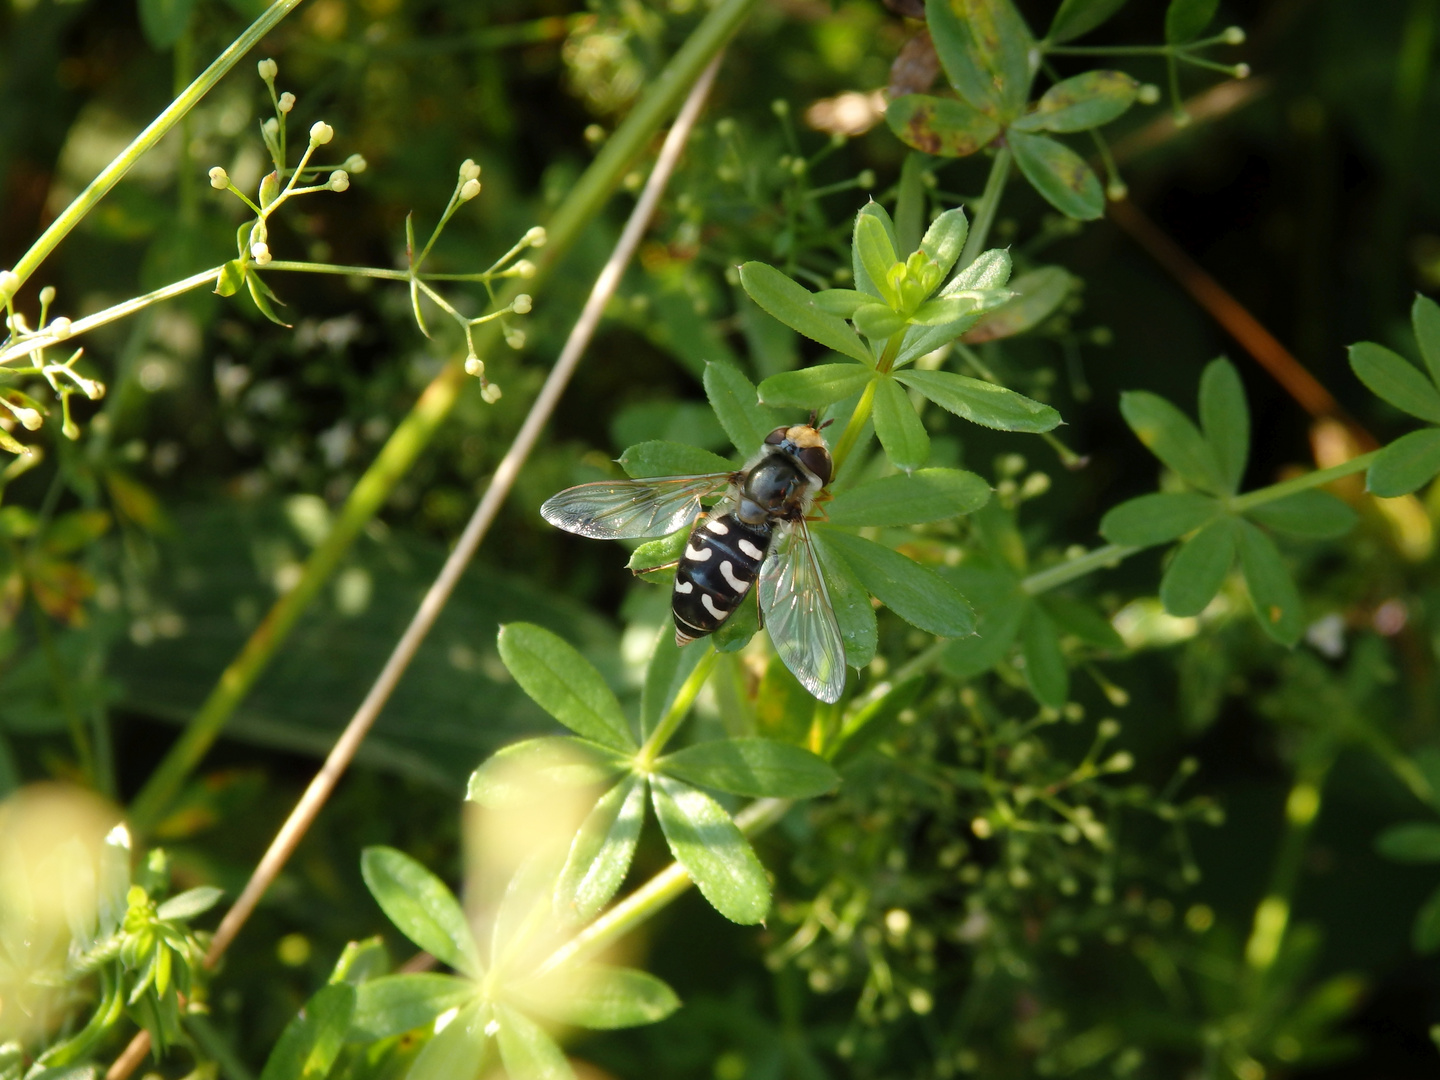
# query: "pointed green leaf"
{"type": "Point", "coordinates": [739, 628]}
{"type": "Point", "coordinates": [1396, 380]}
{"type": "Point", "coordinates": [945, 238]}
{"type": "Point", "coordinates": [527, 1051]}
{"type": "Point", "coordinates": [944, 311]}
{"type": "Point", "coordinates": [655, 560]}
{"type": "Point", "coordinates": [851, 604]}
{"type": "Point", "coordinates": [984, 280]}
{"type": "Point", "coordinates": [228, 281]}
{"type": "Point", "coordinates": [999, 604]}
{"type": "Point", "coordinates": [915, 498]}
{"type": "Point", "coordinates": [1078, 17]}
{"type": "Point", "coordinates": [1037, 295]}
{"type": "Point", "coordinates": [1404, 465]}
{"type": "Point", "coordinates": [794, 306]}
{"type": "Point", "coordinates": [1081, 103]}
{"type": "Point", "coordinates": [874, 210]}
{"type": "Point", "coordinates": [1225, 420]}
{"type": "Point", "coordinates": [360, 962]}
{"type": "Point", "coordinates": [990, 270]}
{"type": "Point", "coordinates": [1158, 518]}
{"type": "Point", "coordinates": [981, 402]}
{"type": "Point", "coordinates": [1198, 569]}
{"type": "Point", "coordinates": [1426, 934]}
{"type": "Point", "coordinates": [944, 127]}
{"type": "Point", "coordinates": [1045, 670]}
{"type": "Point", "coordinates": [841, 302]}
{"type": "Point", "coordinates": [899, 429]}
{"type": "Point", "coordinates": [599, 997]}
{"type": "Point", "coordinates": [759, 768]}
{"type": "Point", "coordinates": [716, 855]}
{"type": "Point", "coordinates": [394, 1004]}
{"type": "Point", "coordinates": [736, 403]}
{"type": "Point", "coordinates": [1425, 317]}
{"type": "Point", "coordinates": [460, 1051]}
{"type": "Point", "coordinates": [1315, 514]}
{"type": "Point", "coordinates": [1173, 438]}
{"type": "Point", "coordinates": [660, 458]}
{"type": "Point", "coordinates": [814, 387]}
{"type": "Point", "coordinates": [1410, 842]}
{"type": "Point", "coordinates": [528, 771]}
{"type": "Point", "coordinates": [878, 321]}
{"type": "Point", "coordinates": [1272, 588]}
{"type": "Point", "coordinates": [311, 1042]}
{"type": "Point", "coordinates": [876, 252]}
{"type": "Point", "coordinates": [190, 903]}
{"type": "Point", "coordinates": [1059, 174]}
{"type": "Point", "coordinates": [1185, 20]}
{"type": "Point", "coordinates": [421, 907]}
{"type": "Point", "coordinates": [564, 684]}
{"type": "Point", "coordinates": [601, 852]}
{"type": "Point", "coordinates": [1080, 619]}
{"type": "Point", "coordinates": [985, 48]}
{"type": "Point", "coordinates": [916, 593]}
{"type": "Point", "coordinates": [260, 293]}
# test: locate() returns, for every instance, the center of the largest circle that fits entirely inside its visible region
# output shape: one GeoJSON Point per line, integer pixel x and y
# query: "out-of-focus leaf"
{"type": "Point", "coordinates": [601, 852]}
{"type": "Point", "coordinates": [671, 459]}
{"type": "Point", "coordinates": [712, 850]}
{"type": "Point", "coordinates": [981, 402]}
{"type": "Point", "coordinates": [1080, 103]}
{"type": "Point", "coordinates": [311, 1042]}
{"type": "Point", "coordinates": [851, 603]}
{"type": "Point", "coordinates": [394, 1004]}
{"type": "Point", "coordinates": [1186, 19]}
{"type": "Point", "coordinates": [916, 593]}
{"type": "Point", "coordinates": [527, 1051]}
{"type": "Point", "coordinates": [899, 429]}
{"type": "Point", "coordinates": [528, 771]}
{"type": "Point", "coordinates": [944, 127]}
{"type": "Point", "coordinates": [1272, 587]}
{"type": "Point", "coordinates": [735, 402]}
{"type": "Point", "coordinates": [460, 1051]}
{"type": "Point", "coordinates": [1426, 934]}
{"type": "Point", "coordinates": [814, 387]}
{"type": "Point", "coordinates": [190, 903]}
{"type": "Point", "coordinates": [1410, 842]}
{"type": "Point", "coordinates": [1173, 438]}
{"type": "Point", "coordinates": [1059, 174]}
{"type": "Point", "coordinates": [759, 768]}
{"type": "Point", "coordinates": [1396, 380]}
{"type": "Point", "coordinates": [1078, 617]}
{"type": "Point", "coordinates": [1404, 465]}
{"type": "Point", "coordinates": [1425, 316]}
{"type": "Point", "coordinates": [1045, 669]}
{"type": "Point", "coordinates": [361, 962]}
{"type": "Point", "coordinates": [564, 684]}
{"type": "Point", "coordinates": [1225, 420]}
{"type": "Point", "coordinates": [670, 666]}
{"type": "Point", "coordinates": [1000, 607]}
{"type": "Point", "coordinates": [910, 498]}
{"type": "Point", "coordinates": [164, 21]}
{"type": "Point", "coordinates": [1198, 570]}
{"type": "Point", "coordinates": [794, 306]}
{"type": "Point", "coordinates": [1157, 518]}
{"type": "Point", "coordinates": [1078, 17]}
{"type": "Point", "coordinates": [1316, 514]}
{"type": "Point", "coordinates": [1037, 295]}
{"type": "Point", "coordinates": [599, 997]}
{"type": "Point", "coordinates": [421, 907]}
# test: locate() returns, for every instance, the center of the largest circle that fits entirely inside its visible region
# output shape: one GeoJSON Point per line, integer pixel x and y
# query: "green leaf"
{"type": "Point", "coordinates": [1037, 295]}
{"type": "Point", "coordinates": [944, 311]}
{"type": "Point", "coordinates": [814, 387]}
{"type": "Point", "coordinates": [1396, 380]}
{"type": "Point", "coordinates": [876, 251]}
{"type": "Point", "coordinates": [360, 962]}
{"type": "Point", "coordinates": [1059, 174]}
{"type": "Point", "coordinates": [1410, 842]}
{"type": "Point", "coordinates": [1158, 518]}
{"type": "Point", "coordinates": [707, 844]}
{"type": "Point", "coordinates": [915, 498]}
{"type": "Point", "coordinates": [794, 306]}
{"type": "Point", "coordinates": [190, 903]}
{"type": "Point", "coordinates": [984, 47]}
{"type": "Point", "coordinates": [655, 560]}
{"type": "Point", "coordinates": [981, 402]}
{"type": "Point", "coordinates": [917, 594]}
{"type": "Point", "coordinates": [1315, 514]}
{"type": "Point", "coordinates": [1045, 670]}
{"type": "Point", "coordinates": [841, 302]}
{"type": "Point", "coordinates": [421, 907]}
{"type": "Point", "coordinates": [853, 612]}
{"type": "Point", "coordinates": [164, 21]}
{"type": "Point", "coordinates": [1173, 438]}
{"type": "Point", "coordinates": [1078, 17]}
{"type": "Point", "coordinates": [735, 402]}
{"type": "Point", "coordinates": [1426, 934]}
{"type": "Point", "coordinates": [990, 270]}
{"type": "Point", "coordinates": [228, 281]}
{"type": "Point", "coordinates": [564, 684]}
{"type": "Point", "coordinates": [1186, 19]}
{"type": "Point", "coordinates": [311, 1042]}
{"type": "Point", "coordinates": [1272, 588]}
{"type": "Point", "coordinates": [759, 768]}
{"type": "Point", "coordinates": [527, 1051]}
{"type": "Point", "coordinates": [1225, 420]}
{"type": "Point", "coordinates": [394, 1004]}
{"type": "Point", "coordinates": [868, 726]}
{"type": "Point", "coordinates": [1198, 569]}
{"type": "Point", "coordinates": [1081, 103]}
{"type": "Point", "coordinates": [878, 321]}
{"type": "Point", "coordinates": [528, 771]}
{"type": "Point", "coordinates": [898, 427]}
{"type": "Point", "coordinates": [1404, 465]}
{"type": "Point", "coordinates": [601, 852]}
{"type": "Point", "coordinates": [737, 630]}
{"type": "Point", "coordinates": [1000, 607]}
{"type": "Point", "coordinates": [670, 666]}
{"type": "Point", "coordinates": [658, 458]}
{"type": "Point", "coordinates": [461, 1051]}
{"type": "Point", "coordinates": [871, 209]}
{"type": "Point", "coordinates": [261, 294]}
{"type": "Point", "coordinates": [1080, 619]}
{"type": "Point", "coordinates": [945, 238]}
{"type": "Point", "coordinates": [599, 997]}
{"type": "Point", "coordinates": [944, 127]}
{"type": "Point", "coordinates": [1425, 317]}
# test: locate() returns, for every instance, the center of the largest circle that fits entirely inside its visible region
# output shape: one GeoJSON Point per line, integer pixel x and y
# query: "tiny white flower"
{"type": "Point", "coordinates": [286, 102]}
{"type": "Point", "coordinates": [260, 252]}
{"type": "Point", "coordinates": [515, 338]}
{"type": "Point", "coordinates": [339, 180]}
{"type": "Point", "coordinates": [321, 133]}
{"type": "Point", "coordinates": [1242, 71]}
{"type": "Point", "coordinates": [271, 127]}
{"type": "Point", "coordinates": [469, 190]}
{"type": "Point", "coordinates": [525, 268]}
{"type": "Point", "coordinates": [28, 417]}
{"type": "Point", "coordinates": [474, 366]}
{"type": "Point", "coordinates": [537, 236]}
{"type": "Point", "coordinates": [521, 304]}
{"type": "Point", "coordinates": [91, 389]}
{"type": "Point", "coordinates": [268, 70]}
{"type": "Point", "coordinates": [47, 295]}
{"type": "Point", "coordinates": [9, 283]}
{"type": "Point", "coordinates": [1148, 94]}
{"type": "Point", "coordinates": [469, 170]}
{"type": "Point", "coordinates": [490, 393]}
{"type": "Point", "coordinates": [356, 164]}
{"type": "Point", "coordinates": [59, 328]}
{"type": "Point", "coordinates": [1234, 35]}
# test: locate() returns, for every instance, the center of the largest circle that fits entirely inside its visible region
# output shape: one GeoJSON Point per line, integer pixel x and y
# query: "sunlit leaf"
{"type": "Point", "coordinates": [564, 684]}
{"type": "Point", "coordinates": [712, 850]}
{"type": "Point", "coordinates": [876, 251]}
{"type": "Point", "coordinates": [659, 458]}
{"type": "Point", "coordinates": [599, 997]}
{"type": "Point", "coordinates": [759, 768]}
{"type": "Point", "coordinates": [460, 1051]}
{"type": "Point", "coordinates": [878, 322]}
{"type": "Point", "coordinates": [190, 903]}
{"type": "Point", "coordinates": [421, 907]}
{"type": "Point", "coordinates": [916, 593]}
{"type": "Point", "coordinates": [311, 1041]}
{"type": "Point", "coordinates": [945, 238]}
{"type": "Point", "coordinates": [602, 850]}
{"type": "Point", "coordinates": [394, 1004]}
{"type": "Point", "coordinates": [528, 771]}
{"type": "Point", "coordinates": [813, 387]}
{"type": "Point", "coordinates": [871, 209]}
{"type": "Point", "coordinates": [851, 603]}
{"type": "Point", "coordinates": [736, 403]}
{"type": "Point", "coordinates": [1059, 174]}
{"type": "Point", "coordinates": [794, 306]}
{"type": "Point", "coordinates": [527, 1051]}
{"type": "Point", "coordinates": [670, 666]}
{"type": "Point", "coordinates": [981, 402]}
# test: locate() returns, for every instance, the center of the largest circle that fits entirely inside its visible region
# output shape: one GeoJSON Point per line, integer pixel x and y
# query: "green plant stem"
{"type": "Point", "coordinates": [684, 698]}
{"type": "Point", "coordinates": [851, 435]}
{"type": "Point", "coordinates": [989, 205]}
{"type": "Point", "coordinates": [1259, 497]}
{"type": "Point", "coordinates": [414, 433]}
{"type": "Point", "coordinates": [1055, 576]}
{"type": "Point", "coordinates": [109, 176]}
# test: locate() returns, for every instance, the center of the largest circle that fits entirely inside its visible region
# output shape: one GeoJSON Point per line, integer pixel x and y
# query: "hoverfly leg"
{"type": "Point", "coordinates": [643, 570]}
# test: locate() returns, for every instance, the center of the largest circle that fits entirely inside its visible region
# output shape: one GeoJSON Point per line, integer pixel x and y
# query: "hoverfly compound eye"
{"type": "Point", "coordinates": [776, 437]}
{"type": "Point", "coordinates": [817, 460]}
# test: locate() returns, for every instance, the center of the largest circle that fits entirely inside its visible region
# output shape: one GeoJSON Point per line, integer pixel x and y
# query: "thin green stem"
{"type": "Point", "coordinates": [334, 268]}
{"type": "Point", "coordinates": [1110, 50]}
{"type": "Point", "coordinates": [83, 203]}
{"type": "Point", "coordinates": [1259, 497]}
{"type": "Point", "coordinates": [1055, 576]}
{"type": "Point", "coordinates": [989, 204]}
{"type": "Point", "coordinates": [678, 709]}
{"type": "Point", "coordinates": [851, 435]}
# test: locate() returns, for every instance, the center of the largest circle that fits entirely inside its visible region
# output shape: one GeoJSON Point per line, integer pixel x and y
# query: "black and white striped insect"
{"type": "Point", "coordinates": [756, 534]}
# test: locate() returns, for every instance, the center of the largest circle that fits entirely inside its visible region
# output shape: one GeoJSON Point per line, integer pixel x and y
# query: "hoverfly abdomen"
{"type": "Point", "coordinates": [716, 571]}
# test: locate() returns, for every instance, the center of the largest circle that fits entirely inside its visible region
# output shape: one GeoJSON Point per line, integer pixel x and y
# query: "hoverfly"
{"type": "Point", "coordinates": [757, 528]}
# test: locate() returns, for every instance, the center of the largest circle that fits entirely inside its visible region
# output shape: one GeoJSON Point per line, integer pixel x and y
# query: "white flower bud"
{"type": "Point", "coordinates": [60, 328]}
{"type": "Point", "coordinates": [9, 284]}
{"type": "Point", "coordinates": [355, 164]}
{"type": "Point", "coordinates": [524, 268]}
{"type": "Point", "coordinates": [321, 133]}
{"type": "Point", "coordinates": [286, 102]}
{"type": "Point", "coordinates": [469, 170]}
{"type": "Point", "coordinates": [91, 389]}
{"type": "Point", "coordinates": [70, 430]}
{"type": "Point", "coordinates": [474, 366]}
{"type": "Point", "coordinates": [537, 236]}
{"type": "Point", "coordinates": [1242, 71]}
{"type": "Point", "coordinates": [521, 304]}
{"type": "Point", "coordinates": [515, 338]}
{"type": "Point", "coordinates": [1234, 35]}
{"type": "Point", "coordinates": [47, 295]}
{"type": "Point", "coordinates": [260, 252]}
{"type": "Point", "coordinates": [866, 178]}
{"type": "Point", "coordinates": [1148, 94]}
{"type": "Point", "coordinates": [469, 190]}
{"type": "Point", "coordinates": [27, 417]}
{"type": "Point", "coordinates": [780, 107]}
{"type": "Point", "coordinates": [339, 180]}
{"type": "Point", "coordinates": [271, 127]}
{"type": "Point", "coordinates": [491, 393]}
{"type": "Point", "coordinates": [268, 70]}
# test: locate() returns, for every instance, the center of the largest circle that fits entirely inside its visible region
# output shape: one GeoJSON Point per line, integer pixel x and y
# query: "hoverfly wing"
{"type": "Point", "coordinates": [627, 509]}
{"type": "Point", "coordinates": [799, 616]}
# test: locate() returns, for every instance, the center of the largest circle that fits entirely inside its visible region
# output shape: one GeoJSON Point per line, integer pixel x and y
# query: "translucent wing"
{"type": "Point", "coordinates": [620, 509]}
{"type": "Point", "coordinates": [799, 616]}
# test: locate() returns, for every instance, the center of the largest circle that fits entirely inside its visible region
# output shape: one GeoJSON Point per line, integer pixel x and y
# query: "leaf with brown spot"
{"type": "Point", "coordinates": [941, 126]}
{"type": "Point", "coordinates": [1084, 102]}
{"type": "Point", "coordinates": [985, 48]}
